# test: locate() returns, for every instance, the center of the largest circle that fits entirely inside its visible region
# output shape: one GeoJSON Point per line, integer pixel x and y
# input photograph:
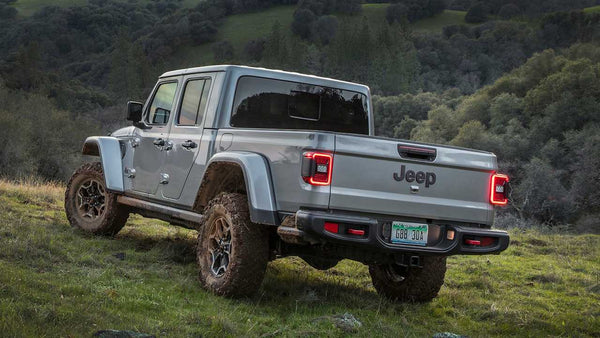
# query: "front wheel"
{"type": "Point", "coordinates": [89, 206]}
{"type": "Point", "coordinates": [410, 284]}
{"type": "Point", "coordinates": [232, 251]}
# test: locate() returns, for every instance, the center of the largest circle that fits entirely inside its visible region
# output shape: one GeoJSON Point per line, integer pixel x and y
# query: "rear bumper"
{"type": "Point", "coordinates": [311, 224]}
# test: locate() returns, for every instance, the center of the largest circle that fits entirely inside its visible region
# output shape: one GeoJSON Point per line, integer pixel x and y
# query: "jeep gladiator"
{"type": "Point", "coordinates": [268, 164]}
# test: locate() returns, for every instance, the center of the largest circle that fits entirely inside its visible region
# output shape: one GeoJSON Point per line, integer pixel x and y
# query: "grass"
{"type": "Point", "coordinates": [593, 9]}
{"type": "Point", "coordinates": [56, 281]}
{"type": "Point", "coordinates": [436, 23]}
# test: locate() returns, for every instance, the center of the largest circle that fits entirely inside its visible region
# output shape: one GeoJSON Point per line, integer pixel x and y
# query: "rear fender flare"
{"type": "Point", "coordinates": [259, 187]}
{"type": "Point", "coordinates": [109, 150]}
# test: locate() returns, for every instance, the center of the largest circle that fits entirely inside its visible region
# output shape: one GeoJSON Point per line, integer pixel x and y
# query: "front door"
{"type": "Point", "coordinates": [149, 153]}
{"type": "Point", "coordinates": [186, 133]}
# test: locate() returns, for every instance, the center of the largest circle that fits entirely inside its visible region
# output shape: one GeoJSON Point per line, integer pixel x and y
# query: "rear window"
{"type": "Point", "coordinates": [269, 103]}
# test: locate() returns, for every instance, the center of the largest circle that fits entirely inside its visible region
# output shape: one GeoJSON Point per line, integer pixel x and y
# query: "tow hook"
{"type": "Point", "coordinates": [408, 261]}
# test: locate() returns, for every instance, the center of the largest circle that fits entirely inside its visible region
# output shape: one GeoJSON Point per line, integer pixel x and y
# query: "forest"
{"type": "Point", "coordinates": [520, 79]}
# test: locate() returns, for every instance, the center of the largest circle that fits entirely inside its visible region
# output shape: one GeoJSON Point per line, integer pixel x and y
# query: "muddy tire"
{"type": "Point", "coordinates": [410, 284]}
{"type": "Point", "coordinates": [89, 206]}
{"type": "Point", "coordinates": [232, 251]}
{"type": "Point", "coordinates": [320, 263]}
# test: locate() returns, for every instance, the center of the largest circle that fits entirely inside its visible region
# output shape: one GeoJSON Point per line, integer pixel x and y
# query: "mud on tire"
{"type": "Point", "coordinates": [232, 252]}
{"type": "Point", "coordinates": [89, 206]}
{"type": "Point", "coordinates": [409, 284]}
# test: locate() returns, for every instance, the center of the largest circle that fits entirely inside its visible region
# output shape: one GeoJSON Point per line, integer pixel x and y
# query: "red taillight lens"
{"type": "Point", "coordinates": [498, 189]}
{"type": "Point", "coordinates": [316, 168]}
{"type": "Point", "coordinates": [331, 227]}
{"type": "Point", "coordinates": [480, 241]}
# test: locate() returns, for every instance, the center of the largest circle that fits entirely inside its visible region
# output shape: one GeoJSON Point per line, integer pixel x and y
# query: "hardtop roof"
{"type": "Point", "coordinates": [271, 73]}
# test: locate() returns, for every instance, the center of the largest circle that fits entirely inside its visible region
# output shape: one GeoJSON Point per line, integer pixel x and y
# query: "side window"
{"type": "Point", "coordinates": [162, 103]}
{"type": "Point", "coordinates": [194, 102]}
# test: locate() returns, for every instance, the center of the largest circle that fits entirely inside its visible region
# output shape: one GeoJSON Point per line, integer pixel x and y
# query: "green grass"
{"type": "Point", "coordinates": [436, 23]}
{"type": "Point", "coordinates": [594, 9]}
{"type": "Point", "coordinates": [56, 281]}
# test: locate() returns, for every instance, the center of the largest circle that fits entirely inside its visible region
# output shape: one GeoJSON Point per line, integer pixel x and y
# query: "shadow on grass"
{"type": "Point", "coordinates": [178, 249]}
{"type": "Point", "coordinates": [287, 281]}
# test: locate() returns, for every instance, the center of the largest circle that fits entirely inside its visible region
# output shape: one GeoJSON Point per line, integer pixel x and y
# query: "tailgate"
{"type": "Point", "coordinates": [384, 176]}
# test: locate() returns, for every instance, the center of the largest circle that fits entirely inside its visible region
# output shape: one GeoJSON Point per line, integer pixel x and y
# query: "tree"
{"type": "Point", "coordinates": [508, 11]}
{"type": "Point", "coordinates": [460, 5]}
{"type": "Point", "coordinates": [276, 48]}
{"type": "Point", "coordinates": [7, 12]}
{"type": "Point", "coordinates": [477, 13]}
{"type": "Point", "coordinates": [254, 49]}
{"type": "Point", "coordinates": [325, 29]}
{"type": "Point", "coordinates": [303, 23]}
{"type": "Point", "coordinates": [223, 51]}
{"type": "Point", "coordinates": [396, 13]}
{"type": "Point", "coordinates": [351, 7]}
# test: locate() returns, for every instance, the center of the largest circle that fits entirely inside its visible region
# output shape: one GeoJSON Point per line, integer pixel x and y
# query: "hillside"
{"type": "Point", "coordinates": [55, 281]}
{"type": "Point", "coordinates": [241, 28]}
{"type": "Point", "coordinates": [28, 7]}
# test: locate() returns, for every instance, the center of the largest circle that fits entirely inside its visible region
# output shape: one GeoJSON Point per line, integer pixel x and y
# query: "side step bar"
{"type": "Point", "coordinates": [160, 211]}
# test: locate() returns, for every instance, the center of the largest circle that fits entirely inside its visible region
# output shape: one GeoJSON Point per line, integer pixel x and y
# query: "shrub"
{"type": "Point", "coordinates": [476, 14]}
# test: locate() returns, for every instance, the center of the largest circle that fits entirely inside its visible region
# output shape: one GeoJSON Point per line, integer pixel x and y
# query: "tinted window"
{"type": "Point", "coordinates": [162, 103]}
{"type": "Point", "coordinates": [268, 103]}
{"type": "Point", "coordinates": [194, 101]}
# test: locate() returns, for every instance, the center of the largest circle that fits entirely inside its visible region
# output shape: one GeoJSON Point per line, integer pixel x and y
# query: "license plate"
{"type": "Point", "coordinates": [409, 233]}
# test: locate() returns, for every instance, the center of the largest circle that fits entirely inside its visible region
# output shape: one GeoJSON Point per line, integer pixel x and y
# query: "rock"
{"type": "Point", "coordinates": [448, 335]}
{"type": "Point", "coordinates": [347, 322]}
{"type": "Point", "coordinates": [120, 256]}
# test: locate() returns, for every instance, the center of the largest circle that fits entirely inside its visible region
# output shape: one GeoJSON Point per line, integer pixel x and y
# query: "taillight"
{"type": "Point", "coordinates": [316, 168]}
{"type": "Point", "coordinates": [331, 227]}
{"type": "Point", "coordinates": [499, 189]}
{"type": "Point", "coordinates": [479, 241]}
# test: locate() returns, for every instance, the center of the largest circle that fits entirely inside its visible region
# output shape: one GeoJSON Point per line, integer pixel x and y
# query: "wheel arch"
{"type": "Point", "coordinates": [241, 172]}
{"type": "Point", "coordinates": [109, 150]}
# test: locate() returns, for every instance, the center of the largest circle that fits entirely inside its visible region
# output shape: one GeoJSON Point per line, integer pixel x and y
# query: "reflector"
{"type": "Point", "coordinates": [331, 227]}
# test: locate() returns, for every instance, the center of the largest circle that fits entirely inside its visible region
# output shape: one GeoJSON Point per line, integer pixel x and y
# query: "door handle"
{"type": "Point", "coordinates": [159, 142]}
{"type": "Point", "coordinates": [189, 144]}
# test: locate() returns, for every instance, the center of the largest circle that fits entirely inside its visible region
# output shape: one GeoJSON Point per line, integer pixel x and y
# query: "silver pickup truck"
{"type": "Point", "coordinates": [268, 164]}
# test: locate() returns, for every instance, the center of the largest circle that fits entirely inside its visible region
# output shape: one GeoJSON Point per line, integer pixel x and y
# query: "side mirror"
{"type": "Point", "coordinates": [134, 111]}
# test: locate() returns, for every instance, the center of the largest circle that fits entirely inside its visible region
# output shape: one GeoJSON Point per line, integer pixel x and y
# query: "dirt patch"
{"type": "Point", "coordinates": [536, 242]}
{"type": "Point", "coordinates": [545, 278]}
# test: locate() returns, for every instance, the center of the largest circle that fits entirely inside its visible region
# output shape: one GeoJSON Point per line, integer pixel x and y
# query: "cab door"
{"type": "Point", "coordinates": [186, 133]}
{"type": "Point", "coordinates": [151, 144]}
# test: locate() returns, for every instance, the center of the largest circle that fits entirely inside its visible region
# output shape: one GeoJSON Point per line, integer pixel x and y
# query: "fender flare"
{"type": "Point", "coordinates": [109, 150]}
{"type": "Point", "coordinates": [259, 187]}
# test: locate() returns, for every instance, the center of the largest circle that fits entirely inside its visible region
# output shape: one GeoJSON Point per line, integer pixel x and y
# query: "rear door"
{"type": "Point", "coordinates": [186, 133]}
{"type": "Point", "coordinates": [383, 176]}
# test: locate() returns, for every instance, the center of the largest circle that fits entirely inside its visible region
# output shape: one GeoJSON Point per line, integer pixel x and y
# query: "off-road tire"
{"type": "Point", "coordinates": [320, 263]}
{"type": "Point", "coordinates": [418, 285]}
{"type": "Point", "coordinates": [114, 216]}
{"type": "Point", "coordinates": [248, 253]}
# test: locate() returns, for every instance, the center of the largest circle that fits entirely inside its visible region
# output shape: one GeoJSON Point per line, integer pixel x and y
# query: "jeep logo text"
{"type": "Point", "coordinates": [411, 176]}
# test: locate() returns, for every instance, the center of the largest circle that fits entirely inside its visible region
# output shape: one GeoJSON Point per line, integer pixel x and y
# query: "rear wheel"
{"type": "Point", "coordinates": [232, 252]}
{"type": "Point", "coordinates": [410, 284]}
{"type": "Point", "coordinates": [89, 206]}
